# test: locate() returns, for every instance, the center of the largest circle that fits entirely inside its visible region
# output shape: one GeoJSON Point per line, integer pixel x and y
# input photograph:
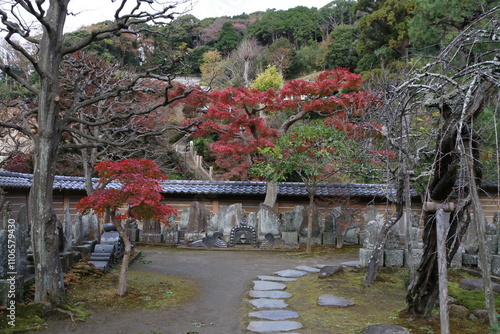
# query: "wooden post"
{"type": "Point", "coordinates": [441, 221]}
{"type": "Point", "coordinates": [408, 227]}
{"type": "Point", "coordinates": [442, 224]}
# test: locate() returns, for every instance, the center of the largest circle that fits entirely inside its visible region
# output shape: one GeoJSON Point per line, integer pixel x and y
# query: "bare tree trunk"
{"type": "Point", "coordinates": [484, 259]}
{"type": "Point", "coordinates": [87, 171]}
{"type": "Point", "coordinates": [378, 250]}
{"type": "Point", "coordinates": [310, 223]}
{"type": "Point", "coordinates": [423, 289]}
{"type": "Point", "coordinates": [246, 71]}
{"type": "Point", "coordinates": [49, 281]}
{"type": "Point", "coordinates": [271, 193]}
{"type": "Point", "coordinates": [122, 281]}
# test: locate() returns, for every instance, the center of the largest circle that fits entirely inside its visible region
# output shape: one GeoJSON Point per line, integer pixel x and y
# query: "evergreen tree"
{"type": "Point", "coordinates": [229, 38]}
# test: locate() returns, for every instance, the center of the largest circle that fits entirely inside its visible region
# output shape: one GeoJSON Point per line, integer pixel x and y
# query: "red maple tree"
{"type": "Point", "coordinates": [133, 184]}
{"type": "Point", "coordinates": [246, 120]}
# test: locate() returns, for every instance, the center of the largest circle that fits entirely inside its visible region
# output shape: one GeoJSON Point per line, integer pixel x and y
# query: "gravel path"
{"type": "Point", "coordinates": [222, 276]}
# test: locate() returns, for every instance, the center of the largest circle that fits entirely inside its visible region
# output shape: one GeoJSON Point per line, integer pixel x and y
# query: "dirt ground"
{"type": "Point", "coordinates": [222, 276]}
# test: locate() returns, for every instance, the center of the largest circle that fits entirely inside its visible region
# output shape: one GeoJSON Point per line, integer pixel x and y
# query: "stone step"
{"type": "Point", "coordinates": [267, 285]}
{"type": "Point", "coordinates": [273, 326]}
{"type": "Point", "coordinates": [308, 269]}
{"type": "Point", "coordinates": [268, 303]}
{"type": "Point", "coordinates": [269, 294]}
{"type": "Point", "coordinates": [276, 278]}
{"type": "Point", "coordinates": [274, 314]}
{"type": "Point", "coordinates": [291, 273]}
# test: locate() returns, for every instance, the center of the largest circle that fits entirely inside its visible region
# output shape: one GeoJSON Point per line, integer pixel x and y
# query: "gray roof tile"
{"type": "Point", "coordinates": [23, 181]}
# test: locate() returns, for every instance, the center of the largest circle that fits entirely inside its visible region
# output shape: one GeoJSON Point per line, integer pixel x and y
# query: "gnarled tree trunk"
{"type": "Point", "coordinates": [424, 289]}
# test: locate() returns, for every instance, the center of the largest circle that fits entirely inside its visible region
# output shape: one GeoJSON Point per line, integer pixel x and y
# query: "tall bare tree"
{"type": "Point", "coordinates": [247, 51]}
{"type": "Point", "coordinates": [46, 119]}
{"type": "Point", "coordinates": [450, 90]}
{"type": "Point", "coordinates": [459, 85]}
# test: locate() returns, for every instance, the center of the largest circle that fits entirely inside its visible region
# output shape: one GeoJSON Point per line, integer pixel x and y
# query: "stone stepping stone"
{"type": "Point", "coordinates": [331, 300]}
{"type": "Point", "coordinates": [327, 271]}
{"type": "Point", "coordinates": [308, 269]}
{"type": "Point", "coordinates": [276, 278]}
{"type": "Point", "coordinates": [268, 303]}
{"type": "Point", "coordinates": [267, 285]}
{"type": "Point", "coordinates": [273, 326]}
{"type": "Point", "coordinates": [274, 314]}
{"type": "Point", "coordinates": [477, 284]}
{"type": "Point", "coordinates": [290, 273]}
{"type": "Point", "coordinates": [269, 294]}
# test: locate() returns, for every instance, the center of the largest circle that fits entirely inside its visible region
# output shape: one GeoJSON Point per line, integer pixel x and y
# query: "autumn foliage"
{"type": "Point", "coordinates": [132, 183]}
{"type": "Point", "coordinates": [245, 120]}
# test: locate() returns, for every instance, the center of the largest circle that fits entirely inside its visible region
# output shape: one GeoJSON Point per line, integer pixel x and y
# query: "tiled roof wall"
{"type": "Point", "coordinates": [23, 181]}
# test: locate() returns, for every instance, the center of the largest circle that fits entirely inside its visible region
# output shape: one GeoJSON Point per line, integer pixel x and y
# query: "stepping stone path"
{"type": "Point", "coordinates": [268, 296]}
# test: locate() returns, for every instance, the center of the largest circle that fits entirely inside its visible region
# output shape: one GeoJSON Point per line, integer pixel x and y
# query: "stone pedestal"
{"type": "Point", "coordinates": [152, 238]}
{"type": "Point", "coordinates": [290, 237]}
{"type": "Point", "coordinates": [469, 260]}
{"type": "Point", "coordinates": [495, 264]}
{"type": "Point", "coordinates": [394, 257]}
{"type": "Point", "coordinates": [315, 240]}
{"type": "Point", "coordinates": [329, 238]}
{"type": "Point", "coordinates": [170, 235]}
{"type": "Point", "coordinates": [133, 234]}
{"type": "Point", "coordinates": [365, 255]}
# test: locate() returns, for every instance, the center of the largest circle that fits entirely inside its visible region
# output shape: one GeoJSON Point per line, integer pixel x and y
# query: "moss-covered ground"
{"type": "Point", "coordinates": [89, 291]}
{"type": "Point", "coordinates": [383, 302]}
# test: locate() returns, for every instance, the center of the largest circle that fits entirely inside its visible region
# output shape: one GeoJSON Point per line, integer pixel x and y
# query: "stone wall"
{"type": "Point", "coordinates": [467, 255]}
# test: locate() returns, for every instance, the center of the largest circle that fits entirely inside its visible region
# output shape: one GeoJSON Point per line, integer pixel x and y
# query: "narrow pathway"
{"type": "Point", "coordinates": [222, 278]}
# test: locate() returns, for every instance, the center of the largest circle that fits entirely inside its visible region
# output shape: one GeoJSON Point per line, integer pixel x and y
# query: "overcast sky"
{"type": "Point", "coordinates": [92, 11]}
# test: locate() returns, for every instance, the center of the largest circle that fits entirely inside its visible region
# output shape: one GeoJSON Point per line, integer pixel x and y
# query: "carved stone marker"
{"type": "Point", "coordinates": [197, 221]}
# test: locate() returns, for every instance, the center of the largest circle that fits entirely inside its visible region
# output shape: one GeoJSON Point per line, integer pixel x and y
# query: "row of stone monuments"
{"type": "Point", "coordinates": [16, 258]}
{"type": "Point", "coordinates": [394, 254]}
{"type": "Point", "coordinates": [469, 249]}
{"type": "Point", "coordinates": [234, 226]}
{"type": "Point", "coordinates": [13, 255]}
